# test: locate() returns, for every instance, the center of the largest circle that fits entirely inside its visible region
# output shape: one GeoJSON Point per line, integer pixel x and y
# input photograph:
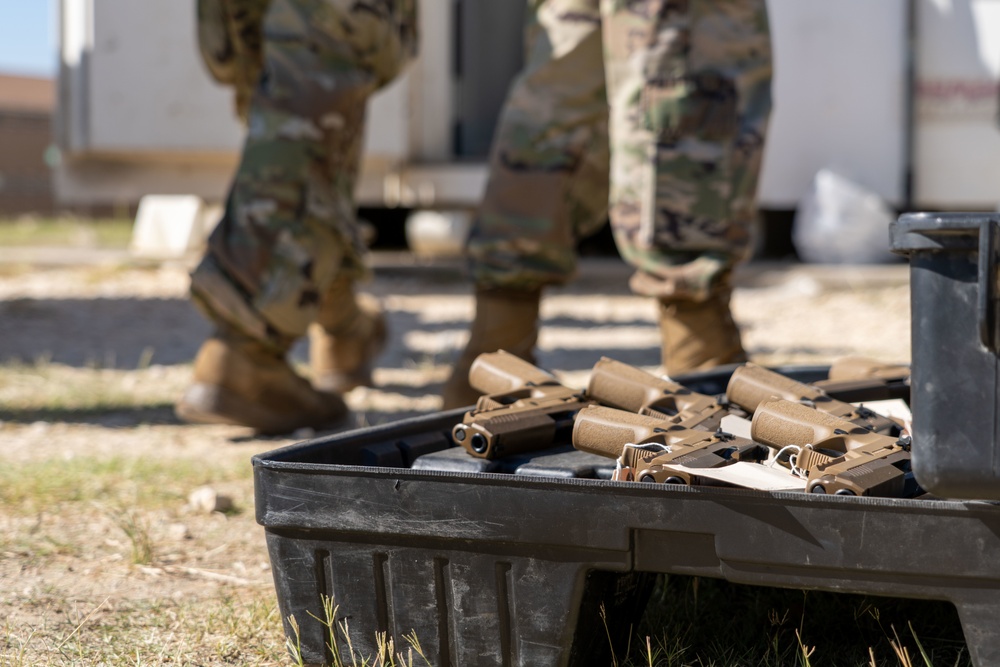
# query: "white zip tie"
{"type": "Point", "coordinates": [782, 451]}
{"type": "Point", "coordinates": [792, 460]}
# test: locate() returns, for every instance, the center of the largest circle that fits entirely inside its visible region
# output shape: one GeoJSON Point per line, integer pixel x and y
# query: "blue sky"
{"type": "Point", "coordinates": [28, 37]}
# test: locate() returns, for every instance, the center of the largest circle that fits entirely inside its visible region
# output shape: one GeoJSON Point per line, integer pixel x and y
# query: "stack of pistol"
{"type": "Point", "coordinates": [659, 431]}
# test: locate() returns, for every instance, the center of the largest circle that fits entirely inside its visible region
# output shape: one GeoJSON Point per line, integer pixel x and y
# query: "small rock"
{"type": "Point", "coordinates": [178, 531]}
{"type": "Point", "coordinates": [206, 500]}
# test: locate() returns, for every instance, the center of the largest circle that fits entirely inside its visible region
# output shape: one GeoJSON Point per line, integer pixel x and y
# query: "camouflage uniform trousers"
{"type": "Point", "coordinates": [289, 230]}
{"type": "Point", "coordinates": [683, 89]}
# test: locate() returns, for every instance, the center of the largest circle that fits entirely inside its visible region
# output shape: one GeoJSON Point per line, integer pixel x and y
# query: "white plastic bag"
{"type": "Point", "coordinates": [841, 222]}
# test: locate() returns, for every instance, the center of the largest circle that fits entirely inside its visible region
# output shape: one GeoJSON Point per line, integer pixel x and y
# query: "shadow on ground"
{"type": "Point", "coordinates": [131, 333]}
{"type": "Point", "coordinates": [105, 416]}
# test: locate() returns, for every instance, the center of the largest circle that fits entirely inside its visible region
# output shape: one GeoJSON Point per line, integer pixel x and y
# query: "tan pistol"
{"type": "Point", "coordinates": [751, 385]}
{"type": "Point", "coordinates": [836, 456]}
{"type": "Point", "coordinates": [649, 449]}
{"type": "Point", "coordinates": [856, 379]}
{"type": "Point", "coordinates": [523, 408]}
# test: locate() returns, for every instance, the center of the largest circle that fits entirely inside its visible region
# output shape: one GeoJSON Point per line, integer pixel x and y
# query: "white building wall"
{"type": "Point", "coordinates": [140, 115]}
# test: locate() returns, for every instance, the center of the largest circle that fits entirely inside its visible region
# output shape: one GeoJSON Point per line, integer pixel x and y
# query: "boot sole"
{"type": "Point", "coordinates": [212, 404]}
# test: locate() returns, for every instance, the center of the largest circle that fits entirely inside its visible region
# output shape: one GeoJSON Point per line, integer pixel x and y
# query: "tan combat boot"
{"type": "Point", "coordinates": [239, 380]}
{"type": "Point", "coordinates": [348, 335]}
{"type": "Point", "coordinates": [506, 319]}
{"type": "Point", "coordinates": [699, 334]}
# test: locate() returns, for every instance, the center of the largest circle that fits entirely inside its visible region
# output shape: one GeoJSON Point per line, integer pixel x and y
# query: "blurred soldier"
{"type": "Point", "coordinates": [288, 250]}
{"type": "Point", "coordinates": [683, 89]}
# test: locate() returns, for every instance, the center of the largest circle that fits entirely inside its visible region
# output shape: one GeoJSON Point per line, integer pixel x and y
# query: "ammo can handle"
{"type": "Point", "coordinates": [989, 252]}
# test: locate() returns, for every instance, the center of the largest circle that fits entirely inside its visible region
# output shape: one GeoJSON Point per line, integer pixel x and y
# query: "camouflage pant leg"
{"type": "Point", "coordinates": [230, 39]}
{"type": "Point", "coordinates": [689, 98]}
{"type": "Point", "coordinates": [548, 183]}
{"type": "Point", "coordinates": [689, 90]}
{"type": "Point", "coordinates": [289, 228]}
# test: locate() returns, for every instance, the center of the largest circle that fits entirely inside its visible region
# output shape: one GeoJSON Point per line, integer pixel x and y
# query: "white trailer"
{"type": "Point", "coordinates": [900, 95]}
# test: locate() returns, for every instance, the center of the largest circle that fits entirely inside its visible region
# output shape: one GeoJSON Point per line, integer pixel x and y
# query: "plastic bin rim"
{"type": "Point", "coordinates": [938, 231]}
{"type": "Point", "coordinates": [277, 460]}
{"type": "Point", "coordinates": [558, 484]}
{"type": "Point", "coordinates": [945, 220]}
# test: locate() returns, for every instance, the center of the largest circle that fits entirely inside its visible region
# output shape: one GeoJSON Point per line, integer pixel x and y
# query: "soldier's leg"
{"type": "Point", "coordinates": [689, 90]}
{"type": "Point", "coordinates": [289, 237]}
{"type": "Point", "coordinates": [547, 186]}
{"type": "Point", "coordinates": [350, 331]}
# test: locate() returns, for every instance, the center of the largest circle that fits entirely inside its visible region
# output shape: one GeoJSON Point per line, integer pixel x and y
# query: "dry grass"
{"type": "Point", "coordinates": [101, 560]}
{"type": "Point", "coordinates": [338, 643]}
{"type": "Point", "coordinates": [43, 390]}
{"type": "Point", "coordinates": [236, 628]}
{"type": "Point", "coordinates": [65, 231]}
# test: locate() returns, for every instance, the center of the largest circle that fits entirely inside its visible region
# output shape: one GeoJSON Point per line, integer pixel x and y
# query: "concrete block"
{"type": "Point", "coordinates": [434, 234]}
{"type": "Point", "coordinates": [172, 226]}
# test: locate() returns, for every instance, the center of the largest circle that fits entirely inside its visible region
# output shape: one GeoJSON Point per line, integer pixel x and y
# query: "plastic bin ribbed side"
{"type": "Point", "coordinates": [954, 304]}
{"type": "Point", "coordinates": [481, 574]}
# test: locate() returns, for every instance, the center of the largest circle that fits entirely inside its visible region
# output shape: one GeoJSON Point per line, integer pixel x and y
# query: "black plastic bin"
{"type": "Point", "coordinates": [954, 305]}
{"type": "Point", "coordinates": [511, 567]}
